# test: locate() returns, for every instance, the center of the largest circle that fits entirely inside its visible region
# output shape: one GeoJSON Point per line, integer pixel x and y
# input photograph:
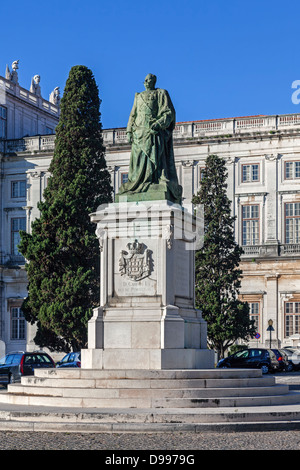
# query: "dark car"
{"type": "Point", "coordinates": [283, 359]}
{"type": "Point", "coordinates": [72, 359]}
{"type": "Point", "coordinates": [252, 358]}
{"type": "Point", "coordinates": [14, 365]}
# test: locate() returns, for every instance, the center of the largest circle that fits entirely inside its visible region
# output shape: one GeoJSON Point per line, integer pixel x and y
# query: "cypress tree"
{"type": "Point", "coordinates": [62, 250]}
{"type": "Point", "coordinates": [218, 277]}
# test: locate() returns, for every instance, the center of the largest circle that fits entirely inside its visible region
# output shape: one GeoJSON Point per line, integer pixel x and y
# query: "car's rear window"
{"type": "Point", "coordinates": [36, 359]}
{"type": "Point", "coordinates": [17, 358]}
{"type": "Point", "coordinates": [11, 359]}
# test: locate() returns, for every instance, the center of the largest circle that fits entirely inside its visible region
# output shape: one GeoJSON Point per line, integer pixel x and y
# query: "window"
{"type": "Point", "coordinates": [18, 189]}
{"type": "Point", "coordinates": [3, 115]}
{"type": "Point", "coordinates": [292, 318]}
{"type": "Point", "coordinates": [124, 178]}
{"type": "Point", "coordinates": [201, 173]}
{"type": "Point", "coordinates": [16, 225]}
{"type": "Point", "coordinates": [242, 354]}
{"type": "Point", "coordinates": [292, 222]}
{"type": "Point", "coordinates": [36, 359]}
{"type": "Point", "coordinates": [291, 170]}
{"type": "Point", "coordinates": [17, 323]}
{"type": "Point", "coordinates": [254, 314]}
{"type": "Point", "coordinates": [65, 360]}
{"type": "Point", "coordinates": [250, 225]}
{"type": "Point", "coordinates": [250, 173]}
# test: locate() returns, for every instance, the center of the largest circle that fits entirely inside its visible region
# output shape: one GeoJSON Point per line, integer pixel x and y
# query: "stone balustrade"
{"type": "Point", "coordinates": [183, 130]}
{"type": "Point", "coordinates": [287, 249]}
{"type": "Point", "coordinates": [251, 250]}
{"type": "Point", "coordinates": [29, 144]}
{"type": "Point", "coordinates": [290, 248]}
{"type": "Point", "coordinates": [16, 90]}
{"type": "Point", "coordinates": [218, 127]}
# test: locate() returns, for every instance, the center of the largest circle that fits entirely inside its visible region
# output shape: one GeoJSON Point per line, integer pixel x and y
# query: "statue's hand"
{"type": "Point", "coordinates": [129, 137]}
{"type": "Point", "coordinates": [155, 128]}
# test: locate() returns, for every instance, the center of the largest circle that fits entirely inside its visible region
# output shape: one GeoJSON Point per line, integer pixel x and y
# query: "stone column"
{"type": "Point", "coordinates": [271, 310]}
{"type": "Point", "coordinates": [188, 181]}
{"type": "Point", "coordinates": [271, 206]}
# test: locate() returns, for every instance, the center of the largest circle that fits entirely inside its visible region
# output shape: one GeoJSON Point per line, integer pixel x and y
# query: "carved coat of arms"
{"type": "Point", "coordinates": [135, 263]}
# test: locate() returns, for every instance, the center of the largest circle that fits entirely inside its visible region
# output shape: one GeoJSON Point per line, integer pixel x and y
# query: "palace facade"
{"type": "Point", "coordinates": [27, 123]}
{"type": "Point", "coordinates": [262, 155]}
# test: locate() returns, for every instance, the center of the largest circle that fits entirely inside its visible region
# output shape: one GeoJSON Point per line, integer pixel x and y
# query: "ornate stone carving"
{"type": "Point", "coordinates": [188, 163]}
{"type": "Point", "coordinates": [12, 76]}
{"type": "Point", "coordinates": [101, 234]}
{"type": "Point", "coordinates": [168, 235]}
{"type": "Point", "coordinates": [272, 157]}
{"type": "Point", "coordinates": [135, 263]}
{"type": "Point", "coordinates": [35, 85]}
{"type": "Point", "coordinates": [54, 96]}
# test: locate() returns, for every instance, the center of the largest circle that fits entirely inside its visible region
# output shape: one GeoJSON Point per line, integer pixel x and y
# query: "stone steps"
{"type": "Point", "coordinates": [211, 388]}
{"type": "Point", "coordinates": [18, 397]}
{"type": "Point", "coordinates": [124, 393]}
{"type": "Point", "coordinates": [152, 373]}
{"type": "Point", "coordinates": [164, 384]}
{"type": "Point", "coordinates": [145, 379]}
{"type": "Point", "coordinates": [57, 419]}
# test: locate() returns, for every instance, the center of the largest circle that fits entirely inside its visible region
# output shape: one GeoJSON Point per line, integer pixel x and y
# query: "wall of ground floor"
{"type": "Point", "coordinates": [272, 289]}
{"type": "Point", "coordinates": [13, 292]}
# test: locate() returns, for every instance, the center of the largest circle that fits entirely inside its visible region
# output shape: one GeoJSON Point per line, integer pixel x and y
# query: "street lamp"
{"type": "Point", "coordinates": [270, 329]}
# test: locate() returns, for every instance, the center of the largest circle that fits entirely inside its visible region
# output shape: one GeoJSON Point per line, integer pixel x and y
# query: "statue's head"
{"type": "Point", "coordinates": [150, 81]}
{"type": "Point", "coordinates": [37, 79]}
{"type": "Point", "coordinates": [15, 65]}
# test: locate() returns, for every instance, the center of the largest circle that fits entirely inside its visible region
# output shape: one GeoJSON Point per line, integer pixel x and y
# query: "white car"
{"type": "Point", "coordinates": [293, 356]}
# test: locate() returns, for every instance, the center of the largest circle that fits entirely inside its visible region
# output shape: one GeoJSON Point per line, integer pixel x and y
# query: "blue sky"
{"type": "Point", "coordinates": [217, 58]}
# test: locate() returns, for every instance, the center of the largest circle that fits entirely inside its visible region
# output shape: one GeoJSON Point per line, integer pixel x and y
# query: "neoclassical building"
{"type": "Point", "coordinates": [27, 124]}
{"type": "Point", "coordinates": [262, 155]}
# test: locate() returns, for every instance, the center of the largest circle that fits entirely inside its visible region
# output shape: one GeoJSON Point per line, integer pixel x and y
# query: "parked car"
{"type": "Point", "coordinates": [72, 359]}
{"type": "Point", "coordinates": [252, 358]}
{"type": "Point", "coordinates": [283, 359]}
{"type": "Point", "coordinates": [294, 356]}
{"type": "Point", "coordinates": [14, 365]}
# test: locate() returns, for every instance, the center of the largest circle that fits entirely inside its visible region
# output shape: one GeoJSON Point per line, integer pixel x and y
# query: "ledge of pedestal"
{"type": "Point", "coordinates": [147, 359]}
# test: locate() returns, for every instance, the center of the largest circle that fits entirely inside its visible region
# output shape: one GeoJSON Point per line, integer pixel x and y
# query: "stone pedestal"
{"type": "Point", "coordinates": [146, 318]}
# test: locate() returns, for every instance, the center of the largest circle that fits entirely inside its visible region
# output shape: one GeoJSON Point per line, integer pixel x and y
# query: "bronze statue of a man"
{"type": "Point", "coordinates": [152, 173]}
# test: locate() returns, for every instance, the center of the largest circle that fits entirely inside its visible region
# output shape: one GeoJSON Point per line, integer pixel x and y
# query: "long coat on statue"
{"type": "Point", "coordinates": [151, 123]}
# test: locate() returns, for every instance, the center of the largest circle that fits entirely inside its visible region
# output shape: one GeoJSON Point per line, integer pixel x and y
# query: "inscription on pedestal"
{"type": "Point", "coordinates": [130, 288]}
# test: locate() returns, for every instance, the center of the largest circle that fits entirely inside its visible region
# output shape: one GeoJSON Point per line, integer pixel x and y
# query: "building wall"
{"type": "Point", "coordinates": [27, 114]}
{"type": "Point", "coordinates": [27, 126]}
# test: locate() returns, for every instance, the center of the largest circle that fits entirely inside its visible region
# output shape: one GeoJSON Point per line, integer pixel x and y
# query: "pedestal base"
{"type": "Point", "coordinates": [147, 338]}
{"type": "Point", "coordinates": [147, 359]}
{"type": "Point", "coordinates": [147, 317]}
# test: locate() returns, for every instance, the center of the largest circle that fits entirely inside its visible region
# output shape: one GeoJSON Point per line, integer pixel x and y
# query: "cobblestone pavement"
{"type": "Point", "coordinates": [273, 440]}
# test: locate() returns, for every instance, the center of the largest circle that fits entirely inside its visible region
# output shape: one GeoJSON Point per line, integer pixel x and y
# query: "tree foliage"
{"type": "Point", "coordinates": [218, 277]}
{"type": "Point", "coordinates": [62, 250]}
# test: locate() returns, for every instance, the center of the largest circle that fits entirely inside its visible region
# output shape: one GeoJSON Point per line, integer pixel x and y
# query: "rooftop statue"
{"type": "Point", "coordinates": [35, 85]}
{"type": "Point", "coordinates": [54, 97]}
{"type": "Point", "coordinates": [152, 173]}
{"type": "Point", "coordinates": [12, 76]}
